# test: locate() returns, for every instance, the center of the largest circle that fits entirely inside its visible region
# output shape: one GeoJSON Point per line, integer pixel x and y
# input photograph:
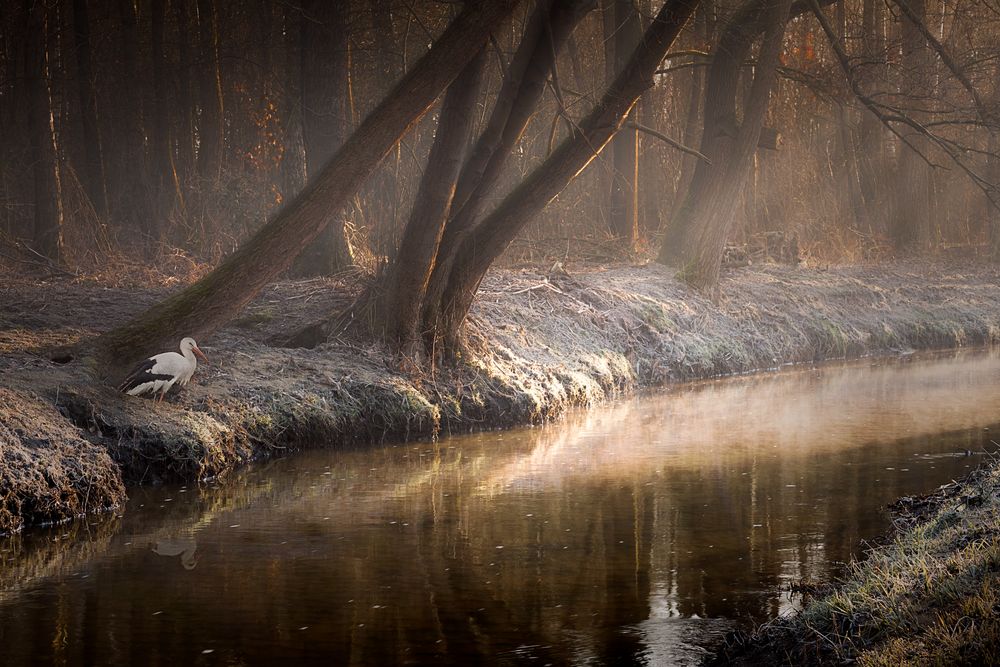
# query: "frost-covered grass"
{"type": "Point", "coordinates": [537, 345]}
{"type": "Point", "coordinates": [931, 596]}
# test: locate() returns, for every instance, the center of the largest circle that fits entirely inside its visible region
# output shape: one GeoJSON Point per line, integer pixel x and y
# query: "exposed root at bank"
{"type": "Point", "coordinates": [539, 344]}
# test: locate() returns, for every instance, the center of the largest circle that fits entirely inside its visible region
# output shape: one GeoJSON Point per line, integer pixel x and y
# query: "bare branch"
{"type": "Point", "coordinates": [670, 142]}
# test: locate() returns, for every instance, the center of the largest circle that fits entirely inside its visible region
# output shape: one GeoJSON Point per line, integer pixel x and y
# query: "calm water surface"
{"type": "Point", "coordinates": [632, 534]}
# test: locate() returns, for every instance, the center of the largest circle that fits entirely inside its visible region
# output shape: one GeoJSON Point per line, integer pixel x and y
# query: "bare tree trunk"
{"type": "Point", "coordinates": [292, 172]}
{"type": "Point", "coordinates": [548, 28]}
{"type": "Point", "coordinates": [849, 174]}
{"type": "Point", "coordinates": [494, 234]}
{"type": "Point", "coordinates": [849, 170]}
{"type": "Point", "coordinates": [92, 174]}
{"type": "Point", "coordinates": [132, 211]}
{"type": "Point", "coordinates": [692, 129]}
{"type": "Point", "coordinates": [624, 212]}
{"type": "Point", "coordinates": [871, 139]}
{"type": "Point", "coordinates": [210, 127]}
{"type": "Point", "coordinates": [911, 222]}
{"type": "Point", "coordinates": [546, 32]}
{"type": "Point", "coordinates": [326, 64]}
{"type": "Point", "coordinates": [398, 298]}
{"type": "Point", "coordinates": [211, 302]}
{"type": "Point", "coordinates": [389, 66]}
{"type": "Point", "coordinates": [185, 99]}
{"type": "Point", "coordinates": [390, 61]}
{"type": "Point", "coordinates": [48, 203]}
{"type": "Point", "coordinates": [653, 175]}
{"type": "Point", "coordinates": [991, 204]}
{"type": "Point", "coordinates": [696, 240]}
{"type": "Point", "coordinates": [162, 163]}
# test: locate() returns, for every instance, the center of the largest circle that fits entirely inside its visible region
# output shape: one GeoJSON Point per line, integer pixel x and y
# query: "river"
{"type": "Point", "coordinates": [634, 533]}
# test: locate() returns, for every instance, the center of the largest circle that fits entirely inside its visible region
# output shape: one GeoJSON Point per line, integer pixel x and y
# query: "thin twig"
{"type": "Point", "coordinates": [667, 140]}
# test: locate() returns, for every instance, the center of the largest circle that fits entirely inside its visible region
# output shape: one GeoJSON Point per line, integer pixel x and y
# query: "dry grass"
{"type": "Point", "coordinates": [47, 471]}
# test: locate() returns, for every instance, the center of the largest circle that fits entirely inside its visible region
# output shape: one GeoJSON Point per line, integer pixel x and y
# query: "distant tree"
{"type": "Point", "coordinates": [163, 170]}
{"type": "Point", "coordinates": [211, 136]}
{"type": "Point", "coordinates": [325, 103]}
{"type": "Point", "coordinates": [696, 239]}
{"type": "Point", "coordinates": [92, 172]}
{"type": "Point", "coordinates": [128, 171]}
{"type": "Point", "coordinates": [624, 213]}
{"type": "Point", "coordinates": [911, 222]}
{"type": "Point", "coordinates": [48, 220]}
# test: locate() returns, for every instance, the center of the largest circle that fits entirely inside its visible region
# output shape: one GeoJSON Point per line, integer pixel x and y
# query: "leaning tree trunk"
{"type": "Point", "coordinates": [697, 238]}
{"type": "Point", "coordinates": [494, 234]}
{"type": "Point", "coordinates": [214, 300]}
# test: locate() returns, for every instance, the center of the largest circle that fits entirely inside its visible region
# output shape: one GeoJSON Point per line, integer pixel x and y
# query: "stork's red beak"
{"type": "Point", "coordinates": [201, 355]}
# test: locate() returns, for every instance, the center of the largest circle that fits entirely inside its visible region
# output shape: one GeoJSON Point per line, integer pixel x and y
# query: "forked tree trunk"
{"type": "Point", "coordinates": [213, 301]}
{"type": "Point", "coordinates": [393, 311]}
{"type": "Point", "coordinates": [548, 29]}
{"type": "Point", "coordinates": [697, 238]}
{"type": "Point", "coordinates": [497, 230]}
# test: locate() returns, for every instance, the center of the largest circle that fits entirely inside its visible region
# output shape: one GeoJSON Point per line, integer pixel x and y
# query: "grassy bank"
{"type": "Point", "coordinates": [538, 344]}
{"type": "Point", "coordinates": [930, 596]}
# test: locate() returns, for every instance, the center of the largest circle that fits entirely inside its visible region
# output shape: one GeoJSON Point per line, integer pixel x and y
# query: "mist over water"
{"type": "Point", "coordinates": [633, 533]}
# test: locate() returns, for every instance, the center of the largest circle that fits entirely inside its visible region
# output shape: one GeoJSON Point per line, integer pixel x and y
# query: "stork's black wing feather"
{"type": "Point", "coordinates": [143, 372]}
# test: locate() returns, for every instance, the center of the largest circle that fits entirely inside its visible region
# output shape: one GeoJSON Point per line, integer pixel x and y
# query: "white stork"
{"type": "Point", "coordinates": [161, 372]}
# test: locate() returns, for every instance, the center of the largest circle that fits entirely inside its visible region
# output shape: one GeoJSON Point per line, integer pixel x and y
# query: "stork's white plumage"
{"type": "Point", "coordinates": [161, 372]}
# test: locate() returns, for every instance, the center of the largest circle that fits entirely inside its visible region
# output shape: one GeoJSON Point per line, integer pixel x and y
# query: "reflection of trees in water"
{"type": "Point", "coordinates": [554, 542]}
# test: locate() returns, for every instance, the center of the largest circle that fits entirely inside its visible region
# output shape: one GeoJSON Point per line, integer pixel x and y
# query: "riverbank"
{"type": "Point", "coordinates": [930, 595]}
{"type": "Point", "coordinates": [539, 343]}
